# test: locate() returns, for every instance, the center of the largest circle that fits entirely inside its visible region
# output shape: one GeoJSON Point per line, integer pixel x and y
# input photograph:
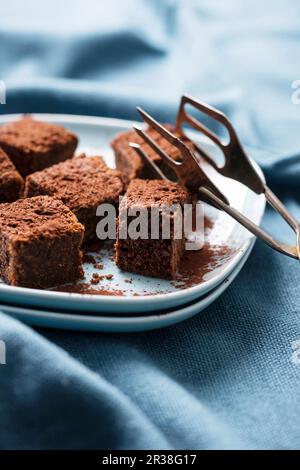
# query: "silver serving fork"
{"type": "Point", "coordinates": [237, 166]}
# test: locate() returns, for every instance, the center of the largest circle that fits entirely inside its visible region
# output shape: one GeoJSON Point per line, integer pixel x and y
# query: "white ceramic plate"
{"type": "Point", "coordinates": [124, 324]}
{"type": "Point", "coordinates": [133, 293]}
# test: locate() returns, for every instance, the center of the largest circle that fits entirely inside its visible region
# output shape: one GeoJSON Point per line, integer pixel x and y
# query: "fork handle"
{"type": "Point", "coordinates": [292, 251]}
{"type": "Point", "coordinates": [280, 208]}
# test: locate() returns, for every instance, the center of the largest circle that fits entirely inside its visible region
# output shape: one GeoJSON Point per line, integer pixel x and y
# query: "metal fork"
{"type": "Point", "coordinates": [237, 166]}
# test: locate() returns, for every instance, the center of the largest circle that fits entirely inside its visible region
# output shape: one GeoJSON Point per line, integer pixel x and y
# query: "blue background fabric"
{"type": "Point", "coordinates": [227, 378]}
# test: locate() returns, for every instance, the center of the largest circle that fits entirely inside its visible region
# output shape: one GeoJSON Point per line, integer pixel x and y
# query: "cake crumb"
{"type": "Point", "coordinates": [95, 279]}
{"type": "Point", "coordinates": [98, 266]}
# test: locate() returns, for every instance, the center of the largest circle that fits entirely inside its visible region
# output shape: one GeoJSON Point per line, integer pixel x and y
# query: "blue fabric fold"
{"type": "Point", "coordinates": [229, 377]}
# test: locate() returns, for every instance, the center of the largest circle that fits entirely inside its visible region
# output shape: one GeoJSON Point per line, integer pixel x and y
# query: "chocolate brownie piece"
{"type": "Point", "coordinates": [132, 166]}
{"type": "Point", "coordinates": [34, 145]}
{"type": "Point", "coordinates": [82, 183]}
{"type": "Point", "coordinates": [11, 182]}
{"type": "Point", "coordinates": [151, 257]}
{"type": "Point", "coordinates": [40, 240]}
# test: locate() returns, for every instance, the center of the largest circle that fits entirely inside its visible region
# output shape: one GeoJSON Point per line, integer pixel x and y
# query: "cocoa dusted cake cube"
{"type": "Point", "coordinates": [130, 164]}
{"type": "Point", "coordinates": [34, 145]}
{"type": "Point", "coordinates": [155, 256]}
{"type": "Point", "coordinates": [11, 182]}
{"type": "Point", "coordinates": [82, 183]}
{"type": "Point", "coordinates": [40, 240]}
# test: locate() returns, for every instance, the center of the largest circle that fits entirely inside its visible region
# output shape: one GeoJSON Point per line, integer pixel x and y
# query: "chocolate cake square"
{"type": "Point", "coordinates": [40, 240]}
{"type": "Point", "coordinates": [132, 166]}
{"type": "Point", "coordinates": [153, 255]}
{"type": "Point", "coordinates": [11, 182]}
{"type": "Point", "coordinates": [82, 183]}
{"type": "Point", "coordinates": [34, 145]}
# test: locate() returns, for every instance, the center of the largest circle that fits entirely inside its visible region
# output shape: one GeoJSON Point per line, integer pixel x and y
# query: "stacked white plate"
{"type": "Point", "coordinates": [142, 303]}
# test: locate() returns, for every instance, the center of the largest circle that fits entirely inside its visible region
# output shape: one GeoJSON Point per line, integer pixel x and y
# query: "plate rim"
{"type": "Point", "coordinates": [93, 301]}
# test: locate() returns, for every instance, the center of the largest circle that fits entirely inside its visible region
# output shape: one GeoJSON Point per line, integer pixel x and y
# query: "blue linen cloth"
{"type": "Point", "coordinates": [229, 377]}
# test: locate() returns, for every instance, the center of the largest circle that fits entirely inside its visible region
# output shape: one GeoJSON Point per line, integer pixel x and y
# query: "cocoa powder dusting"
{"type": "Point", "coordinates": [197, 264]}
{"type": "Point", "coordinates": [95, 279]}
{"type": "Point", "coordinates": [195, 268]}
{"type": "Point", "coordinates": [85, 288]}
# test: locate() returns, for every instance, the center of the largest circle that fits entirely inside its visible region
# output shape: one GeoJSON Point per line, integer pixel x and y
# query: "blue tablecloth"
{"type": "Point", "coordinates": [229, 377]}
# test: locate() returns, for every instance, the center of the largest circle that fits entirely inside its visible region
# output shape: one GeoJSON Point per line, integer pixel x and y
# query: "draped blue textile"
{"type": "Point", "coordinates": [229, 377]}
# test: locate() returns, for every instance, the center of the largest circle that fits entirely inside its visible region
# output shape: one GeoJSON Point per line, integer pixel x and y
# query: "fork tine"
{"type": "Point", "coordinates": [156, 147]}
{"type": "Point", "coordinates": [148, 160]}
{"type": "Point", "coordinates": [237, 164]}
{"type": "Point", "coordinates": [169, 136]}
{"type": "Point", "coordinates": [239, 167]}
{"type": "Point", "coordinates": [187, 170]}
{"type": "Point", "coordinates": [219, 115]}
{"type": "Point", "coordinates": [157, 126]}
{"type": "Point", "coordinates": [206, 157]}
{"type": "Point", "coordinates": [206, 131]}
{"type": "Point", "coordinates": [206, 109]}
